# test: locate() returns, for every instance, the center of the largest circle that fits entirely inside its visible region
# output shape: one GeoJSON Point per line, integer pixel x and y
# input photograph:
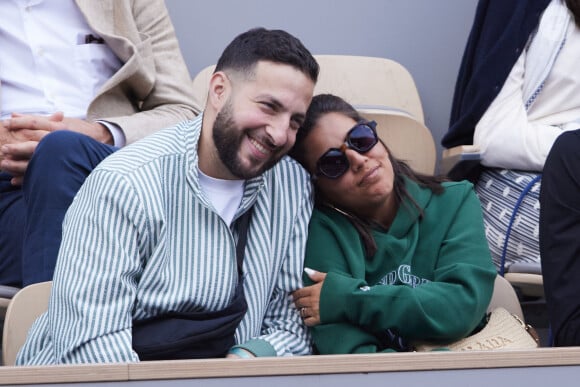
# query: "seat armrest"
{"type": "Point", "coordinates": [8, 291]}
{"type": "Point", "coordinates": [452, 156]}
{"type": "Point", "coordinates": [527, 276]}
{"type": "Point", "coordinates": [525, 267]}
{"type": "Point", "coordinates": [531, 285]}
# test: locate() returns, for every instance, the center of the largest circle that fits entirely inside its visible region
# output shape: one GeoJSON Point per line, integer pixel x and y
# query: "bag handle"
{"type": "Point", "coordinates": [524, 192]}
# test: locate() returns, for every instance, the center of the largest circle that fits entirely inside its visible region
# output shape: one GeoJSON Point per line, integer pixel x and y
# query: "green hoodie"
{"type": "Point", "coordinates": [431, 278]}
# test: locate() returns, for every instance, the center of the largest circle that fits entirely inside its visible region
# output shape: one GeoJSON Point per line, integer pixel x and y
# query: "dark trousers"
{"type": "Point", "coordinates": [560, 238]}
{"type": "Point", "coordinates": [31, 216]}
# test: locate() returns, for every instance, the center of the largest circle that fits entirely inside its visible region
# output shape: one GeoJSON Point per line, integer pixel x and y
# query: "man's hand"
{"type": "Point", "coordinates": [16, 158]}
{"type": "Point", "coordinates": [17, 144]}
{"type": "Point", "coordinates": [239, 353]}
{"type": "Point", "coordinates": [94, 130]}
{"type": "Point", "coordinates": [10, 135]}
{"type": "Point", "coordinates": [58, 121]}
{"type": "Point", "coordinates": [20, 135]}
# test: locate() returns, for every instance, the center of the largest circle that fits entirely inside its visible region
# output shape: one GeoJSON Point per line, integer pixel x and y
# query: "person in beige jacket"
{"type": "Point", "coordinates": [83, 78]}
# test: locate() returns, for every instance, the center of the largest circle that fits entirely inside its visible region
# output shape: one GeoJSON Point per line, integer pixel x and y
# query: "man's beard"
{"type": "Point", "coordinates": [228, 139]}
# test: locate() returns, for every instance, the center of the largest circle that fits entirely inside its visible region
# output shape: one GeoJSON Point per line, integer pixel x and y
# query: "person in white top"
{"type": "Point", "coordinates": [78, 80]}
{"type": "Point", "coordinates": [539, 100]}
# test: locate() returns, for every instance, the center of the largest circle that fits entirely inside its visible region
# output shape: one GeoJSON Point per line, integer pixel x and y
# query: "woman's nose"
{"type": "Point", "coordinates": [355, 159]}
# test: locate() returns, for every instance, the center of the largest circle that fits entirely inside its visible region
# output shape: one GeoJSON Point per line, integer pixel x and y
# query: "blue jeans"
{"type": "Point", "coordinates": [31, 216]}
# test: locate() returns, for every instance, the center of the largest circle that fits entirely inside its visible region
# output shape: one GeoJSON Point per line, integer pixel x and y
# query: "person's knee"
{"type": "Point", "coordinates": [69, 151]}
{"type": "Point", "coordinates": [59, 156]}
{"type": "Point", "coordinates": [59, 143]}
{"type": "Point", "coordinates": [65, 156]}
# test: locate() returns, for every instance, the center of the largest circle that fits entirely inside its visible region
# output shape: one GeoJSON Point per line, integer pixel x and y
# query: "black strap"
{"type": "Point", "coordinates": [244, 223]}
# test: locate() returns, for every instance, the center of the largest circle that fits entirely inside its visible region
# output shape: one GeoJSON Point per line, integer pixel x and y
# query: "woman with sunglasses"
{"type": "Point", "coordinates": [393, 257]}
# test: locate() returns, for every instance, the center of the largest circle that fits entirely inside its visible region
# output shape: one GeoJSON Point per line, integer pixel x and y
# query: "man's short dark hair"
{"type": "Point", "coordinates": [260, 44]}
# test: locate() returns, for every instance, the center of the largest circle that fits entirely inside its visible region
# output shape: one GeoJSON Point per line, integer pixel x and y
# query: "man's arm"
{"type": "Point", "coordinates": [505, 135]}
{"type": "Point", "coordinates": [283, 331]}
{"type": "Point", "coordinates": [97, 271]}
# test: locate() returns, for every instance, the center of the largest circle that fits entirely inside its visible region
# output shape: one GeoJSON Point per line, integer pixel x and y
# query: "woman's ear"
{"type": "Point", "coordinates": [219, 90]}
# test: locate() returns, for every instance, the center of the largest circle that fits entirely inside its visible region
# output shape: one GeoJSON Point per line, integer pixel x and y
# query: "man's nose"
{"type": "Point", "coordinates": [278, 131]}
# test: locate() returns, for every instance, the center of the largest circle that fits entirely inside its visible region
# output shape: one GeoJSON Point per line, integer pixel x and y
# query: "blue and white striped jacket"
{"type": "Point", "coordinates": [141, 239]}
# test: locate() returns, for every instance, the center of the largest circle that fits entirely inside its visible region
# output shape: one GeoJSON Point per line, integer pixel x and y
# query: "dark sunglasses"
{"type": "Point", "coordinates": [361, 138]}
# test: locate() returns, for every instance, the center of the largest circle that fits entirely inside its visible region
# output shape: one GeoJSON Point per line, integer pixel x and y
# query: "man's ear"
{"type": "Point", "coordinates": [219, 90]}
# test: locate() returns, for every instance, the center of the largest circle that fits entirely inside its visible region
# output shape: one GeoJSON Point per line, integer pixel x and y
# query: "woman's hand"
{"type": "Point", "coordinates": [307, 299]}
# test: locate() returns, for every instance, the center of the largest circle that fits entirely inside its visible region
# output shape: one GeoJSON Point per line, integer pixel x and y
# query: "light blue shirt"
{"type": "Point", "coordinates": [140, 239]}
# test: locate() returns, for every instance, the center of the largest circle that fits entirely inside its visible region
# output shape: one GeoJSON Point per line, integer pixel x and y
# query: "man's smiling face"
{"type": "Point", "coordinates": [257, 125]}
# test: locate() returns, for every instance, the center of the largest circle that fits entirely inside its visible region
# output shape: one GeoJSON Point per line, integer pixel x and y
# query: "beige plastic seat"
{"type": "Point", "coordinates": [461, 153]}
{"type": "Point", "coordinates": [201, 85]}
{"type": "Point", "coordinates": [505, 296]}
{"type": "Point", "coordinates": [369, 83]}
{"type": "Point", "coordinates": [529, 284]}
{"type": "Point", "coordinates": [25, 307]}
{"type": "Point", "coordinates": [366, 82]}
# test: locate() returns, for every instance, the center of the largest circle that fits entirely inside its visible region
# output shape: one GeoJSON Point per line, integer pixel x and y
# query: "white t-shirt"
{"type": "Point", "coordinates": [224, 195]}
